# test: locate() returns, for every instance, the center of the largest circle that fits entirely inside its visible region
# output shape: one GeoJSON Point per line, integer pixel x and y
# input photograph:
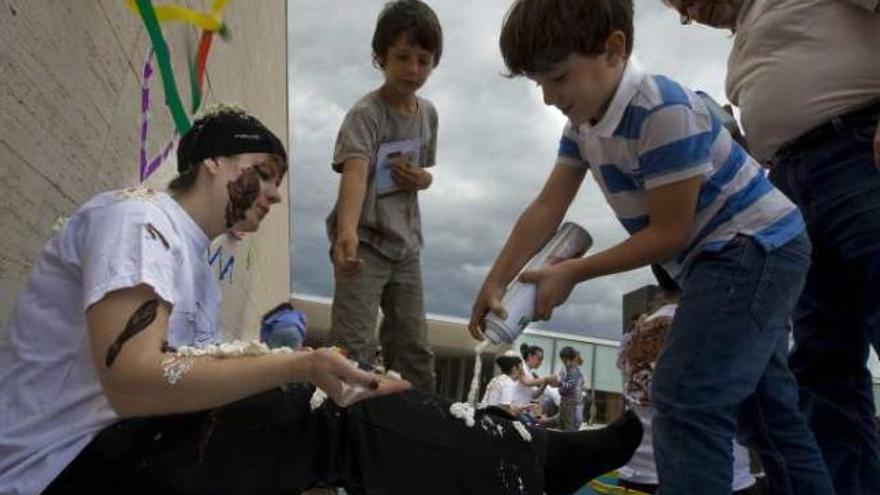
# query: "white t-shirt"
{"type": "Point", "coordinates": [642, 469]}
{"type": "Point", "coordinates": [553, 393]}
{"type": "Point", "coordinates": [530, 372]}
{"type": "Point", "coordinates": [523, 394]}
{"type": "Point", "coordinates": [51, 401]}
{"type": "Point", "coordinates": [499, 392]}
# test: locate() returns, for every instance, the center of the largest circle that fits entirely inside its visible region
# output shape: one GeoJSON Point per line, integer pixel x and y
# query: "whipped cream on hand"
{"type": "Point", "coordinates": [344, 383]}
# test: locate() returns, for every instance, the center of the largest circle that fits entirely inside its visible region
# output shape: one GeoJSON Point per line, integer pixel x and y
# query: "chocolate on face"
{"type": "Point", "coordinates": [243, 191]}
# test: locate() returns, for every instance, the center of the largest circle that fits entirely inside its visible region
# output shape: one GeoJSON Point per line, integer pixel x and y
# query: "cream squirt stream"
{"type": "Point", "coordinates": [570, 241]}
{"type": "Point", "coordinates": [465, 411]}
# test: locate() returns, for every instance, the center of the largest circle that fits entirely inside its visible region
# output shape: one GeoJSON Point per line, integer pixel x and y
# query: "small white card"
{"type": "Point", "coordinates": [390, 154]}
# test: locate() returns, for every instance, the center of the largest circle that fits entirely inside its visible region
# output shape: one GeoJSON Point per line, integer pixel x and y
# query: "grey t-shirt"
{"type": "Point", "coordinates": [373, 131]}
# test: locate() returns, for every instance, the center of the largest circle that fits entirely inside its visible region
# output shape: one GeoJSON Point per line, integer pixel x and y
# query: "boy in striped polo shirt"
{"type": "Point", "coordinates": [693, 200]}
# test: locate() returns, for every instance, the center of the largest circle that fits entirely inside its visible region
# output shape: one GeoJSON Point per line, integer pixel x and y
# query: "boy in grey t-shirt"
{"type": "Point", "coordinates": [385, 143]}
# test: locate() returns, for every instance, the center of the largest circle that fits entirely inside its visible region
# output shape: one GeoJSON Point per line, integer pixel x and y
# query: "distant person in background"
{"type": "Point", "coordinates": [501, 390]}
{"type": "Point", "coordinates": [550, 401]}
{"type": "Point", "coordinates": [587, 398]}
{"type": "Point", "coordinates": [638, 355]}
{"type": "Point", "coordinates": [532, 386]}
{"type": "Point", "coordinates": [283, 326]}
{"type": "Point", "coordinates": [571, 390]}
{"type": "Point", "coordinates": [533, 357]}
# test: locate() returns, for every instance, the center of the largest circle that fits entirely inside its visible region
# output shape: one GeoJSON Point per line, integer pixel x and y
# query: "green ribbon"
{"type": "Point", "coordinates": [195, 92]}
{"type": "Point", "coordinates": [172, 97]}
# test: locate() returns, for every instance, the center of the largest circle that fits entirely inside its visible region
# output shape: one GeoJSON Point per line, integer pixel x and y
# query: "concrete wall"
{"type": "Point", "coordinates": [70, 122]}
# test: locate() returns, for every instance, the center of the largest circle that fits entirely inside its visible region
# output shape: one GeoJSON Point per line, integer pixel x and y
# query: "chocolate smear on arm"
{"type": "Point", "coordinates": [141, 319]}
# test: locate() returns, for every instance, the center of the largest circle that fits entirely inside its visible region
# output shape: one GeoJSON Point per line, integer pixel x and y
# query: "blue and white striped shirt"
{"type": "Point", "coordinates": [655, 132]}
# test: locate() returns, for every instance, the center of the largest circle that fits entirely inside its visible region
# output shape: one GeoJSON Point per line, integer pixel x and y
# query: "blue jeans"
{"type": "Point", "coordinates": [837, 186]}
{"type": "Point", "coordinates": [727, 347]}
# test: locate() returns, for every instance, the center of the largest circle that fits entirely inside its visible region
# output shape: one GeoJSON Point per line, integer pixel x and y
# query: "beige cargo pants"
{"type": "Point", "coordinates": [396, 287]}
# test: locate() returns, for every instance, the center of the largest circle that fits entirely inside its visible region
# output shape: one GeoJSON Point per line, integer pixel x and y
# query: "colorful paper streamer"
{"type": "Point", "coordinates": [197, 69]}
{"type": "Point", "coordinates": [147, 167]}
{"type": "Point", "coordinates": [172, 98]}
{"type": "Point", "coordinates": [151, 17]}
{"type": "Point", "coordinates": [177, 13]}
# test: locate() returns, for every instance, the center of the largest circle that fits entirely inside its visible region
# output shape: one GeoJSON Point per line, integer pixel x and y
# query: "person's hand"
{"type": "Point", "coordinates": [554, 284]}
{"type": "Point", "coordinates": [488, 299]}
{"type": "Point", "coordinates": [517, 410]}
{"type": "Point", "coordinates": [551, 380]}
{"type": "Point", "coordinates": [345, 258]}
{"type": "Point", "coordinates": [344, 383]}
{"type": "Point", "coordinates": [532, 408]}
{"type": "Point", "coordinates": [877, 146]}
{"type": "Point", "coordinates": [410, 178]}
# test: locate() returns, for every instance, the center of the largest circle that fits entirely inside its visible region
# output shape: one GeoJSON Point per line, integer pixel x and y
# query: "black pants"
{"type": "Point", "coordinates": [272, 442]}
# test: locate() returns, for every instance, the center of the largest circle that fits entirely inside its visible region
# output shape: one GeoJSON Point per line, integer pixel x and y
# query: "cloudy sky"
{"type": "Point", "coordinates": [497, 143]}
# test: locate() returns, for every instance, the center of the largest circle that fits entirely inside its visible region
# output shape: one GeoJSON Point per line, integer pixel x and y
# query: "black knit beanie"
{"type": "Point", "coordinates": [226, 132]}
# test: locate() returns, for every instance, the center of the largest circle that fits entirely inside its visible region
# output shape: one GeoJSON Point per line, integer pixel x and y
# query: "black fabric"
{"type": "Point", "coordinates": [577, 457]}
{"type": "Point", "coordinates": [272, 443]}
{"type": "Point", "coordinates": [224, 134]}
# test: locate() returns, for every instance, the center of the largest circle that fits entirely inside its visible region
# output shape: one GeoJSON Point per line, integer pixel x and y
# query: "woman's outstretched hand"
{"type": "Point", "coordinates": [345, 383]}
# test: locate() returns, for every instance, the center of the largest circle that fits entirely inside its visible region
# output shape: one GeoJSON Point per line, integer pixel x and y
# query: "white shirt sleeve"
{"type": "Point", "coordinates": [499, 392]}
{"type": "Point", "coordinates": [125, 244]}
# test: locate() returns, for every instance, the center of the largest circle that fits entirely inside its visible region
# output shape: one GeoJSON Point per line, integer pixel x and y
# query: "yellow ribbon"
{"type": "Point", "coordinates": [607, 489]}
{"type": "Point", "coordinates": [175, 13]}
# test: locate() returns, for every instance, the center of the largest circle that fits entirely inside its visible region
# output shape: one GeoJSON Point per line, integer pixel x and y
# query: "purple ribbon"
{"type": "Point", "coordinates": [148, 167]}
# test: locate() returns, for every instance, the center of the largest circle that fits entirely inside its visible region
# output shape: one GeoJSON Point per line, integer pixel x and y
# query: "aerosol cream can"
{"type": "Point", "coordinates": [570, 241]}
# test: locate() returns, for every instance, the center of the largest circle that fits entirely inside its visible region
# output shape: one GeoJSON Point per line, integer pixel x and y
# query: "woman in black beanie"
{"type": "Point", "coordinates": [128, 387]}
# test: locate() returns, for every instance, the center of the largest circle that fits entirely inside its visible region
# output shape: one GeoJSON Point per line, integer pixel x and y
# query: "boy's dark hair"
{"type": "Point", "coordinates": [568, 353]}
{"type": "Point", "coordinates": [507, 363]}
{"type": "Point", "coordinates": [413, 17]}
{"type": "Point", "coordinates": [538, 34]}
{"type": "Point", "coordinates": [528, 351]}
